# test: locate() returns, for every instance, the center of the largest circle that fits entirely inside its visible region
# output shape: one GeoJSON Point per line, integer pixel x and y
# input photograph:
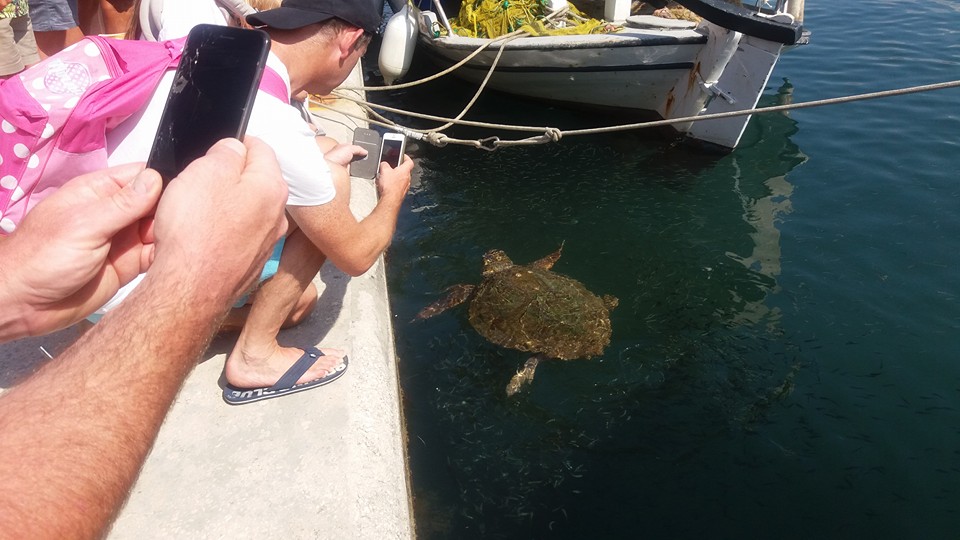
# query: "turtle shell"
{"type": "Point", "coordinates": [533, 309]}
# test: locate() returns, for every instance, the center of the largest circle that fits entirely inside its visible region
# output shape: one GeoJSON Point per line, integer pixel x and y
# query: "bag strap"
{"type": "Point", "coordinates": [139, 67]}
{"type": "Point", "coordinates": [272, 83]}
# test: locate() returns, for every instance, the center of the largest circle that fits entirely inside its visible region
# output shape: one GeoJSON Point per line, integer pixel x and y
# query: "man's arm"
{"type": "Point", "coordinates": [74, 435]}
{"type": "Point", "coordinates": [353, 246]}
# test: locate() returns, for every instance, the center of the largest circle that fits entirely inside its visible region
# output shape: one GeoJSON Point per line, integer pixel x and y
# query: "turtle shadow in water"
{"type": "Point", "coordinates": [532, 309]}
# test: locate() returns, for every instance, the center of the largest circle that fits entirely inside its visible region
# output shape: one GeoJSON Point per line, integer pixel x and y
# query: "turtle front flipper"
{"type": "Point", "coordinates": [547, 262]}
{"type": "Point", "coordinates": [524, 376]}
{"type": "Point", "coordinates": [456, 295]}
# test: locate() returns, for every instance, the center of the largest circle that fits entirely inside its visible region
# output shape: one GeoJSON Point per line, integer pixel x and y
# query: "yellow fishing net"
{"type": "Point", "coordinates": [494, 18]}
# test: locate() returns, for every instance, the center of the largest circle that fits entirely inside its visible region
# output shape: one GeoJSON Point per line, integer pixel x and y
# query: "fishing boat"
{"type": "Point", "coordinates": [673, 68]}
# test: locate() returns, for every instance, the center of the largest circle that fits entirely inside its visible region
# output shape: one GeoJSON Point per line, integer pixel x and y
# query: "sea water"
{"type": "Point", "coordinates": [785, 358]}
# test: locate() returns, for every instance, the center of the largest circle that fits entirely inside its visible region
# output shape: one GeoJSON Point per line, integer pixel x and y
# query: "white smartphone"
{"type": "Point", "coordinates": [391, 149]}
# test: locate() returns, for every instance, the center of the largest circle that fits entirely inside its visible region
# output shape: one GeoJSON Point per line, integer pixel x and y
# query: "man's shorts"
{"type": "Point", "coordinates": [18, 48]}
{"type": "Point", "coordinates": [53, 15]}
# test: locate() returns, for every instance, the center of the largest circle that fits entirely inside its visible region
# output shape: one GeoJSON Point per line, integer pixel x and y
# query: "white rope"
{"type": "Point", "coordinates": [486, 45]}
{"type": "Point", "coordinates": [451, 69]}
{"type": "Point", "coordinates": [493, 66]}
{"type": "Point", "coordinates": [552, 134]}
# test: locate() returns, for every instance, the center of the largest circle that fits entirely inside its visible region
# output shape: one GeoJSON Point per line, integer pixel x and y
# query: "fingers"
{"type": "Point", "coordinates": [358, 151]}
{"type": "Point", "coordinates": [224, 160]}
{"type": "Point", "coordinates": [93, 187]}
{"type": "Point", "coordinates": [393, 183]}
{"type": "Point", "coordinates": [223, 213]}
{"type": "Point", "coordinates": [344, 154]}
{"type": "Point", "coordinates": [405, 167]}
{"type": "Point", "coordinates": [229, 144]}
{"type": "Point", "coordinates": [133, 201]}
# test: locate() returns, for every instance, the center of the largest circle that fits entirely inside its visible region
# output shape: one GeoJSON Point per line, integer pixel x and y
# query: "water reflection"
{"type": "Point", "coordinates": [688, 242]}
{"type": "Point", "coordinates": [763, 213]}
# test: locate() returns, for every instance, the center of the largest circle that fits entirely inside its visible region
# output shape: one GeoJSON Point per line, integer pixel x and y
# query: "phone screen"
{"type": "Point", "coordinates": [392, 151]}
{"type": "Point", "coordinates": [211, 97]}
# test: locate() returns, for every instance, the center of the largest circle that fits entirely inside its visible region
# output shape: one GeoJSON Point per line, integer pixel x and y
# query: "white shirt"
{"type": "Point", "coordinates": [171, 19]}
{"type": "Point", "coordinates": [276, 123]}
{"type": "Point", "coordinates": [179, 16]}
{"type": "Point", "coordinates": [308, 176]}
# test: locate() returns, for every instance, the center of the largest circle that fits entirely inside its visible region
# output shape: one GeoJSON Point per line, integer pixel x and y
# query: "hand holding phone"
{"type": "Point", "coordinates": [212, 95]}
{"type": "Point", "coordinates": [391, 149]}
{"type": "Point", "coordinates": [394, 171]}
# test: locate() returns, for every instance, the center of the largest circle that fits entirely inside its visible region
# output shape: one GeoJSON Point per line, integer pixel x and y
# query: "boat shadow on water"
{"type": "Point", "coordinates": [690, 244]}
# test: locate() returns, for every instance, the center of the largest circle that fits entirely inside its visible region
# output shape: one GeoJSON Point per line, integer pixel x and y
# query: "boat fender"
{"type": "Point", "coordinates": [399, 40]}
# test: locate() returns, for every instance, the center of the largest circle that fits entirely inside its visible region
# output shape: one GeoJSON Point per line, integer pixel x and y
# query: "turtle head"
{"type": "Point", "coordinates": [495, 261]}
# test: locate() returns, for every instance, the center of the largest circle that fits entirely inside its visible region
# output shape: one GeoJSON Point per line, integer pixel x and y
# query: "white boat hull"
{"type": "Point", "coordinates": [621, 70]}
{"type": "Point", "coordinates": [674, 73]}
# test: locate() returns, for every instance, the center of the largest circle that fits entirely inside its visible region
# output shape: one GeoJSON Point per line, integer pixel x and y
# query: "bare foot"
{"type": "Point", "coordinates": [248, 371]}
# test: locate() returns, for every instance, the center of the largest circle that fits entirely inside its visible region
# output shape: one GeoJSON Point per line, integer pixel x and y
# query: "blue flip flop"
{"type": "Point", "coordinates": [287, 383]}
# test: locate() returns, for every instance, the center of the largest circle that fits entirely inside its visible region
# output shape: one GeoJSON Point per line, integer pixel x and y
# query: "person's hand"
{"type": "Point", "coordinates": [344, 154]}
{"type": "Point", "coordinates": [393, 183]}
{"type": "Point", "coordinates": [75, 249]}
{"type": "Point", "coordinates": [219, 219]}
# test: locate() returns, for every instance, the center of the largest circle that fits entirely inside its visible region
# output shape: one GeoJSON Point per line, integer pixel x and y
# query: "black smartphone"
{"type": "Point", "coordinates": [391, 149]}
{"type": "Point", "coordinates": [212, 95]}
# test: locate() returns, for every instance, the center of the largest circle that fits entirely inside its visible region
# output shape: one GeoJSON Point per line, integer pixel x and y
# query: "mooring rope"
{"type": "Point", "coordinates": [506, 38]}
{"type": "Point", "coordinates": [486, 45]}
{"type": "Point", "coordinates": [483, 84]}
{"type": "Point", "coordinates": [552, 134]}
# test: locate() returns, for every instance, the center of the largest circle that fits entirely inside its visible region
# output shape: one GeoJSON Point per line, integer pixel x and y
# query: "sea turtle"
{"type": "Point", "coordinates": [530, 308]}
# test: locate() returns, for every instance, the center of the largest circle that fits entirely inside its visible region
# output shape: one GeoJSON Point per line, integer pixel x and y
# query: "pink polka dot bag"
{"type": "Point", "coordinates": [55, 115]}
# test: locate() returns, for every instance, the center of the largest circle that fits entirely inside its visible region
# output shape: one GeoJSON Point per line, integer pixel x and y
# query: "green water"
{"type": "Point", "coordinates": [784, 359]}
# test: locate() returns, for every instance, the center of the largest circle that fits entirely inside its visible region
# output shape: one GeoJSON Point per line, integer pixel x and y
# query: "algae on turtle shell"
{"type": "Point", "coordinates": [532, 309]}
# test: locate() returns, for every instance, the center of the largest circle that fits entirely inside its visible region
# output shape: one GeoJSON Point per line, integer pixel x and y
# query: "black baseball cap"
{"type": "Point", "coordinates": [292, 14]}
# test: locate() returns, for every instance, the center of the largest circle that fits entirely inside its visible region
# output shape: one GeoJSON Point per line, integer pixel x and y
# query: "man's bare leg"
{"type": "Point", "coordinates": [237, 317]}
{"type": "Point", "coordinates": [257, 359]}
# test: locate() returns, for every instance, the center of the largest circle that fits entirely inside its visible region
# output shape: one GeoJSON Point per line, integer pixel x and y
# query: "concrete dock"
{"type": "Point", "coordinates": [326, 463]}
